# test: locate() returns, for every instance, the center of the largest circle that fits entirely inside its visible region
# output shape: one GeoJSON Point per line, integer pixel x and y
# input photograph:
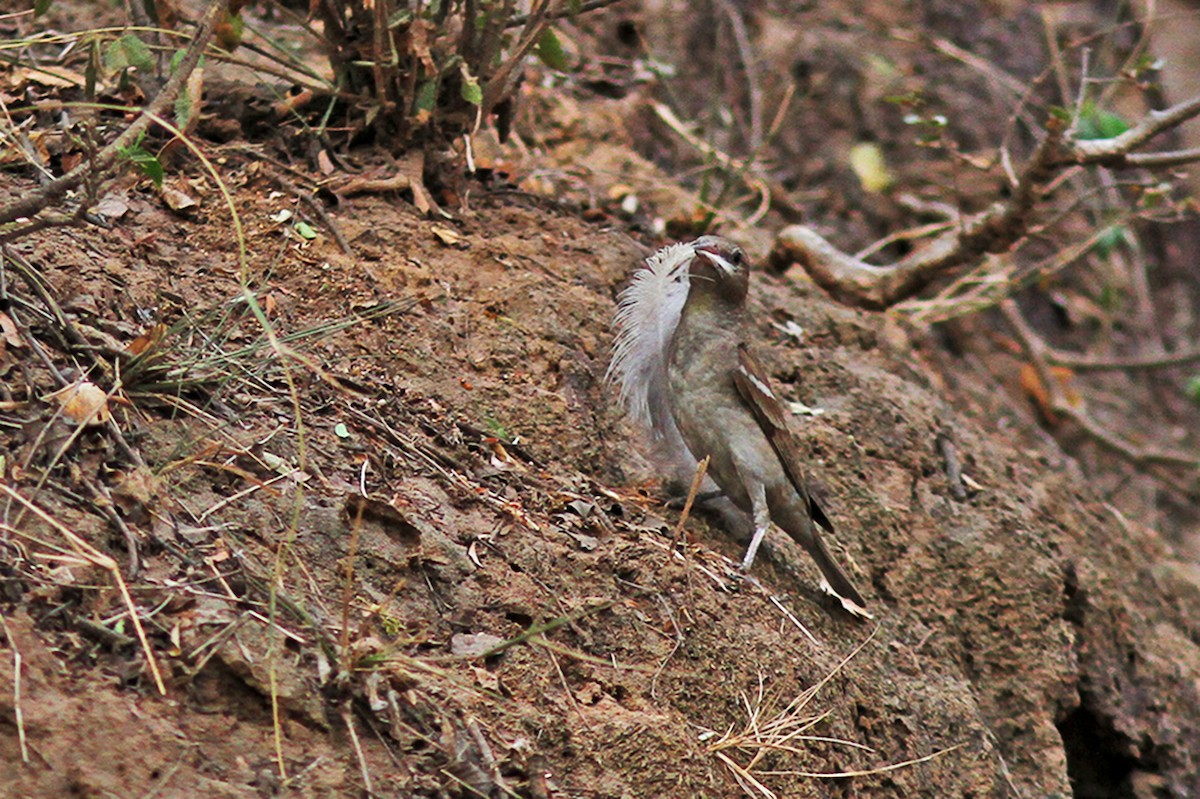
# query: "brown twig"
{"type": "Point", "coordinates": [864, 285]}
{"type": "Point", "coordinates": [562, 13]}
{"type": "Point", "coordinates": [693, 489]}
{"type": "Point", "coordinates": [746, 55]}
{"type": "Point", "coordinates": [504, 80]}
{"type": "Point", "coordinates": [1036, 349]}
{"type": "Point", "coordinates": [107, 508]}
{"type": "Point", "coordinates": [1096, 363]}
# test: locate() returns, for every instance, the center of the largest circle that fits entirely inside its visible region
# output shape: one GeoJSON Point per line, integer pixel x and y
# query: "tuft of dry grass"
{"type": "Point", "coordinates": [741, 751]}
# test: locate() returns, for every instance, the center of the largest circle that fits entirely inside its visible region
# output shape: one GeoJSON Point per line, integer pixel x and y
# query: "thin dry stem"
{"type": "Point", "coordinates": [1036, 349]}
{"type": "Point", "coordinates": [693, 490]}
{"type": "Point", "coordinates": [18, 712]}
{"type": "Point", "coordinates": [363, 768]}
{"type": "Point", "coordinates": [778, 733]}
{"type": "Point", "coordinates": [98, 558]}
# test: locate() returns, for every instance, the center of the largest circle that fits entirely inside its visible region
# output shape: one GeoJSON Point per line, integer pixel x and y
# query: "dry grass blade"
{"type": "Point", "coordinates": [98, 558]}
{"type": "Point", "coordinates": [18, 713]}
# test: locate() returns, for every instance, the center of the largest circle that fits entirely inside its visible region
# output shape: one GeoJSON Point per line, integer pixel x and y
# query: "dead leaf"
{"type": "Point", "coordinates": [176, 200]}
{"type": "Point", "coordinates": [9, 333]}
{"type": "Point", "coordinates": [54, 77]}
{"type": "Point", "coordinates": [1031, 384]}
{"type": "Point", "coordinates": [486, 679]}
{"type": "Point", "coordinates": [148, 340]}
{"type": "Point", "coordinates": [448, 236]}
{"type": "Point", "coordinates": [84, 403]}
{"type": "Point", "coordinates": [136, 487]}
{"type": "Point", "coordinates": [111, 206]}
{"type": "Point", "coordinates": [325, 163]}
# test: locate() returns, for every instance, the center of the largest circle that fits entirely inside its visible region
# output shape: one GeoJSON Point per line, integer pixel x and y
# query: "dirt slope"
{"type": "Point", "coordinates": [1030, 628]}
{"type": "Point", "coordinates": [408, 548]}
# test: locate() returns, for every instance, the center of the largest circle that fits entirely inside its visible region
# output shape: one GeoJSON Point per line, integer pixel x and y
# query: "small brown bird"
{"type": "Point", "coordinates": [719, 398]}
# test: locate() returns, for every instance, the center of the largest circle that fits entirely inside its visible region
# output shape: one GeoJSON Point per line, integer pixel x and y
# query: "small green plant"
{"type": "Point", "coordinates": [428, 72]}
{"type": "Point", "coordinates": [1099, 123]}
{"type": "Point", "coordinates": [144, 160]}
{"type": "Point", "coordinates": [1192, 389]}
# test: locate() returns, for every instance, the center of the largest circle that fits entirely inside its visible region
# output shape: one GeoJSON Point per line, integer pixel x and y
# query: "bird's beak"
{"type": "Point", "coordinates": [717, 260]}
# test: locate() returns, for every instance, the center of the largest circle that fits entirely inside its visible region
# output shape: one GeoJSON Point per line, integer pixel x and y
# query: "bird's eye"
{"type": "Point", "coordinates": [737, 257]}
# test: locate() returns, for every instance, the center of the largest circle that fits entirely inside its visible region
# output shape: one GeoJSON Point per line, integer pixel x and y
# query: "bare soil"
{"type": "Point", "coordinates": [404, 545]}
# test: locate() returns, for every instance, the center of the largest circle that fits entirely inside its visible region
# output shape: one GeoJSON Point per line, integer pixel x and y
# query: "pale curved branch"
{"type": "Point", "coordinates": [995, 230]}
{"type": "Point", "coordinates": [854, 282]}
{"type": "Point", "coordinates": [1113, 152]}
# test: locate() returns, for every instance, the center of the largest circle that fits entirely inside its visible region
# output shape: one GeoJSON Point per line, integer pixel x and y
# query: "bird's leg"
{"type": "Point", "coordinates": [762, 520]}
{"type": "Point", "coordinates": [677, 502]}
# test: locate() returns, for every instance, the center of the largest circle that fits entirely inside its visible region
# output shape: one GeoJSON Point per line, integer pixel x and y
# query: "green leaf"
{"type": "Point", "coordinates": [128, 51]}
{"type": "Point", "coordinates": [1110, 239]}
{"type": "Point", "coordinates": [1110, 299]}
{"type": "Point", "coordinates": [150, 165]}
{"type": "Point", "coordinates": [144, 160]}
{"type": "Point", "coordinates": [305, 230]}
{"type": "Point", "coordinates": [1098, 123]}
{"type": "Point", "coordinates": [183, 108]}
{"type": "Point", "coordinates": [41, 7]}
{"type": "Point", "coordinates": [471, 91]}
{"type": "Point", "coordinates": [549, 50]}
{"type": "Point", "coordinates": [341, 431]}
{"type": "Point", "coordinates": [1192, 389]}
{"type": "Point", "coordinates": [427, 96]}
{"type": "Point", "coordinates": [1111, 125]}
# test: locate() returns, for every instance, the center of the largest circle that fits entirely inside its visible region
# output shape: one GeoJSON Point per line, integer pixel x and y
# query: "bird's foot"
{"type": "Point", "coordinates": [677, 503]}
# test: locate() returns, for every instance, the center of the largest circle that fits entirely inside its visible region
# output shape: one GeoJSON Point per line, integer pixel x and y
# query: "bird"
{"type": "Point", "coordinates": [687, 375]}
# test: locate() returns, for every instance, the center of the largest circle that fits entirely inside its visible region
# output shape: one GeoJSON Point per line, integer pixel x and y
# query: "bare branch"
{"type": "Point", "coordinates": [1160, 160]}
{"type": "Point", "coordinates": [857, 283]}
{"type": "Point", "coordinates": [562, 13]}
{"type": "Point", "coordinates": [995, 230]}
{"type": "Point", "coordinates": [1114, 152]}
{"type": "Point", "coordinates": [1092, 363]}
{"type": "Point", "coordinates": [1037, 350]}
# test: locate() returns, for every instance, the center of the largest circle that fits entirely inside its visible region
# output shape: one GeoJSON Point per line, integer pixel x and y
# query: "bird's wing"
{"type": "Point", "coordinates": [755, 389]}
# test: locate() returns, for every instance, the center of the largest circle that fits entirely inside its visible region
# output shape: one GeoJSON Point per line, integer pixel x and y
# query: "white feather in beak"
{"type": "Point", "coordinates": [648, 312]}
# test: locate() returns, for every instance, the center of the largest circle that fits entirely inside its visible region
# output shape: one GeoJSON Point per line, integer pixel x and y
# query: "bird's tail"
{"type": "Point", "coordinates": [834, 581]}
{"type": "Point", "coordinates": [797, 523]}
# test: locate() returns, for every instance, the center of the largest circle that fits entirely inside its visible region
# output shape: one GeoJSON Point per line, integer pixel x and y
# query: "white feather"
{"type": "Point", "coordinates": [648, 311]}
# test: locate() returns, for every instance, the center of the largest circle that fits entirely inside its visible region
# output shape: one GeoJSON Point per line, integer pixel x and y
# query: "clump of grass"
{"type": "Point", "coordinates": [786, 732]}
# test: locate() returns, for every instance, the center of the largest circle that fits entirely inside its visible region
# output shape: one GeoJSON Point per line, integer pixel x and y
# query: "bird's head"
{"type": "Point", "coordinates": [720, 267]}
